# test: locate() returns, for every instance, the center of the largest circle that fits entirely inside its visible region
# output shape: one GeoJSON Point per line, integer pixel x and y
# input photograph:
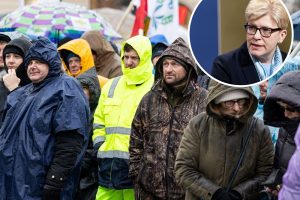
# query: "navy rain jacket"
{"type": "Point", "coordinates": [34, 114]}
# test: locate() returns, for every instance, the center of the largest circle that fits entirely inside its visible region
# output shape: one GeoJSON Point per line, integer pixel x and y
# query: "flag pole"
{"type": "Point", "coordinates": [21, 3]}
{"type": "Point", "coordinates": [129, 8]}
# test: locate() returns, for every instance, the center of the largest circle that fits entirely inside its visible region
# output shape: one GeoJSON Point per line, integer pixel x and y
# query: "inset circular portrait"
{"type": "Point", "coordinates": [240, 43]}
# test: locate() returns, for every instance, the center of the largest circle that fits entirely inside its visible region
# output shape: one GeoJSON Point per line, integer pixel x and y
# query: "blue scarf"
{"type": "Point", "coordinates": [266, 70]}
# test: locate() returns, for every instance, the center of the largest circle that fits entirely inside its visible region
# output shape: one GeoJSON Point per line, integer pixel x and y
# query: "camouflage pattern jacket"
{"type": "Point", "coordinates": [155, 137]}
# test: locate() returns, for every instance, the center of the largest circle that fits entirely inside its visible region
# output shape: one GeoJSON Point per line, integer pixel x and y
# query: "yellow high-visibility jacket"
{"type": "Point", "coordinates": [119, 100]}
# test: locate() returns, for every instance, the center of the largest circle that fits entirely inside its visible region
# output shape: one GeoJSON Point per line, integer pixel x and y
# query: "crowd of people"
{"type": "Point", "coordinates": [81, 120]}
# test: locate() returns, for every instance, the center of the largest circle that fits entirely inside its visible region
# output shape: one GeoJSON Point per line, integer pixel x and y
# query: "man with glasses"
{"type": "Point", "coordinates": [211, 146]}
{"type": "Point", "coordinates": [259, 57]}
{"type": "Point", "coordinates": [282, 109]}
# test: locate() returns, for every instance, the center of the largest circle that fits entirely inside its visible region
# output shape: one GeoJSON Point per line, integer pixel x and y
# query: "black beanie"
{"type": "Point", "coordinates": [158, 49]}
{"type": "Point", "coordinates": [181, 62]}
{"type": "Point", "coordinates": [12, 49]}
{"type": "Point", "coordinates": [5, 38]}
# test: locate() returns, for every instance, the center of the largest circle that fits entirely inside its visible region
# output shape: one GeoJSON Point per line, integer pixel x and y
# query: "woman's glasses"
{"type": "Point", "coordinates": [240, 102]}
{"type": "Point", "coordinates": [264, 31]}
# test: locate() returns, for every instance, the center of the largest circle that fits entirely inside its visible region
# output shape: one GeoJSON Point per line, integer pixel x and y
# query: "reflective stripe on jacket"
{"type": "Point", "coordinates": [119, 100]}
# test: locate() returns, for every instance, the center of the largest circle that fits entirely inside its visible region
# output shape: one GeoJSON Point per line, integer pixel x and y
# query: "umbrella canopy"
{"type": "Point", "coordinates": [57, 20]}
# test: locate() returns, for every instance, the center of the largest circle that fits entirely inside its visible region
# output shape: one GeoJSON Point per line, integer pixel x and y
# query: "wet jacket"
{"type": "Point", "coordinates": [3, 95]}
{"type": "Point", "coordinates": [119, 100]}
{"type": "Point", "coordinates": [23, 45]}
{"type": "Point", "coordinates": [236, 67]}
{"type": "Point", "coordinates": [88, 79]}
{"type": "Point", "coordinates": [107, 61]}
{"type": "Point", "coordinates": [81, 48]}
{"type": "Point", "coordinates": [286, 89]}
{"type": "Point", "coordinates": [211, 146]}
{"type": "Point", "coordinates": [89, 166]}
{"type": "Point", "coordinates": [87, 74]}
{"type": "Point", "coordinates": [157, 130]}
{"type": "Point", "coordinates": [35, 115]}
{"type": "Point", "coordinates": [290, 187]}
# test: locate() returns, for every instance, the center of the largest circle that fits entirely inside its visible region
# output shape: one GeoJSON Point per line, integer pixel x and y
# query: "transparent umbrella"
{"type": "Point", "coordinates": [57, 20]}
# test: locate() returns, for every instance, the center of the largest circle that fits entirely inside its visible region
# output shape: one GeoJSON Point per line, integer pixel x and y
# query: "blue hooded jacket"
{"type": "Point", "coordinates": [34, 114]}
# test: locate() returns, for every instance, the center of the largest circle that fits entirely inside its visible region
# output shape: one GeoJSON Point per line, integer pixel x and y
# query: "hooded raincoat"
{"type": "Point", "coordinates": [81, 48]}
{"type": "Point", "coordinates": [157, 130]}
{"type": "Point", "coordinates": [88, 79]}
{"type": "Point", "coordinates": [107, 61]}
{"type": "Point", "coordinates": [34, 115]}
{"type": "Point", "coordinates": [210, 148]}
{"type": "Point", "coordinates": [87, 75]}
{"type": "Point", "coordinates": [286, 89]}
{"type": "Point", "coordinates": [290, 188]}
{"type": "Point", "coordinates": [119, 100]}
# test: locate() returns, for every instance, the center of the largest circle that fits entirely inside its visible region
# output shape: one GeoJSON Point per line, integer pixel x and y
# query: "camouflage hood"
{"type": "Point", "coordinates": [180, 50]}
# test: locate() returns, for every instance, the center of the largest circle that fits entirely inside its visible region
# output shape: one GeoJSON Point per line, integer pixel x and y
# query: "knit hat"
{"type": "Point", "coordinates": [181, 62]}
{"type": "Point", "coordinates": [4, 37]}
{"type": "Point", "coordinates": [71, 55]}
{"type": "Point", "coordinates": [231, 95]}
{"type": "Point", "coordinates": [158, 49]}
{"type": "Point", "coordinates": [12, 49]}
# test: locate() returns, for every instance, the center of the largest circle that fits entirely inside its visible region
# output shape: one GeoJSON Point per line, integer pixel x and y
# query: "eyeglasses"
{"type": "Point", "coordinates": [264, 31]}
{"type": "Point", "coordinates": [240, 102]}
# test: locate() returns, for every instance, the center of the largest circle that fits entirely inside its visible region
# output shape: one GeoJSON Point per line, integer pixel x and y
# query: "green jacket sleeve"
{"type": "Point", "coordinates": [187, 162]}
{"type": "Point", "coordinates": [264, 162]}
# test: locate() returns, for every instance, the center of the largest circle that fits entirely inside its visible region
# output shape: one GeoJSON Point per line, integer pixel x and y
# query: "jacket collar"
{"type": "Point", "coordinates": [158, 87]}
{"type": "Point", "coordinates": [246, 64]}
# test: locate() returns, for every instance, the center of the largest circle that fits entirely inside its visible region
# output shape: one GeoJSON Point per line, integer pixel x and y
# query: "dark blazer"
{"type": "Point", "coordinates": [236, 67]}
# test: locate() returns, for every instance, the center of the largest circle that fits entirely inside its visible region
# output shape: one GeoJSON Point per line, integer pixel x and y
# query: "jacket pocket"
{"type": "Point", "coordinates": [111, 111]}
{"type": "Point", "coordinates": [151, 178]}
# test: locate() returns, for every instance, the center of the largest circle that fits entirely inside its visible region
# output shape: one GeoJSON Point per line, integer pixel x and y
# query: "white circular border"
{"type": "Point", "coordinates": [257, 83]}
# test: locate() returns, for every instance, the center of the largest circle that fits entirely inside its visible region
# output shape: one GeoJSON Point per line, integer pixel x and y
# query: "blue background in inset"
{"type": "Point", "coordinates": [204, 33]}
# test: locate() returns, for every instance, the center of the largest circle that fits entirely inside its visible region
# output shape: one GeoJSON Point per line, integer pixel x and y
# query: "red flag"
{"type": "Point", "coordinates": [140, 17]}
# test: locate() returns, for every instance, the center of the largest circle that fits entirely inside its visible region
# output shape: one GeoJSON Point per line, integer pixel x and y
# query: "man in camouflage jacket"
{"type": "Point", "coordinates": [159, 122]}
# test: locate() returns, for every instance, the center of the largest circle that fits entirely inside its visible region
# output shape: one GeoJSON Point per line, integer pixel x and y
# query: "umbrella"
{"type": "Point", "coordinates": [56, 21]}
{"type": "Point", "coordinates": [12, 34]}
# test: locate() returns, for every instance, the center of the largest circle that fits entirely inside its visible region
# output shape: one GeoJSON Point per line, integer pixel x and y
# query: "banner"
{"type": "Point", "coordinates": [164, 20]}
{"type": "Point", "coordinates": [140, 16]}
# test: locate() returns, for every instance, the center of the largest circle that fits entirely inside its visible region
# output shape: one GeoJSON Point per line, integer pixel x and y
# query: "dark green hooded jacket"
{"type": "Point", "coordinates": [211, 146]}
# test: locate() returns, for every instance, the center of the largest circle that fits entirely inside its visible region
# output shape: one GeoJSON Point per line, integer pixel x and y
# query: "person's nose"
{"type": "Point", "coordinates": [168, 68]}
{"type": "Point", "coordinates": [257, 34]}
{"type": "Point", "coordinates": [236, 107]}
{"type": "Point", "coordinates": [9, 60]}
{"type": "Point", "coordinates": [31, 65]}
{"type": "Point", "coordinates": [72, 64]}
{"type": "Point", "coordinates": [129, 62]}
{"type": "Point", "coordinates": [286, 113]}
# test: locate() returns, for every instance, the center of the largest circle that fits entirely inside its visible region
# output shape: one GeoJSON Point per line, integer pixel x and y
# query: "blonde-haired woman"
{"type": "Point", "coordinates": [259, 57]}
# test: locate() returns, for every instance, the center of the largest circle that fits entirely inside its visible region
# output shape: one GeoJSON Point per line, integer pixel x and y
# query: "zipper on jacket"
{"type": "Point", "coordinates": [167, 151]}
{"type": "Point", "coordinates": [281, 150]}
{"type": "Point", "coordinates": [110, 173]}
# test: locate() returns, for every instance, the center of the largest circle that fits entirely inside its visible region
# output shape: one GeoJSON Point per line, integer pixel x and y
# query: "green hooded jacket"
{"type": "Point", "coordinates": [211, 146]}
